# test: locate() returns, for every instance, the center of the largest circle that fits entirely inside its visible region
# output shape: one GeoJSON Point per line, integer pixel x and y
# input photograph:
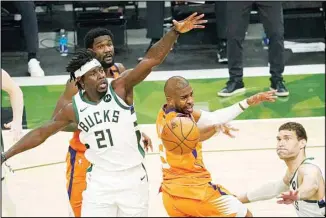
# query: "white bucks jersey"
{"type": "Point", "coordinates": [109, 131]}
{"type": "Point", "coordinates": [307, 208]}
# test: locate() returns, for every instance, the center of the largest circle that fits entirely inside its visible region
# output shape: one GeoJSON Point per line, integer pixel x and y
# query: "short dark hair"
{"type": "Point", "coordinates": [94, 33]}
{"type": "Point", "coordinates": [297, 128]}
{"type": "Point", "coordinates": [78, 60]}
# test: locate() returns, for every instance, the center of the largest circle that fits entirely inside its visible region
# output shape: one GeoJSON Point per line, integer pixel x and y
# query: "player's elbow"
{"type": "Point", "coordinates": [152, 61]}
{"type": "Point", "coordinates": [41, 134]}
{"type": "Point", "coordinates": [314, 188]}
{"type": "Point", "coordinates": [20, 94]}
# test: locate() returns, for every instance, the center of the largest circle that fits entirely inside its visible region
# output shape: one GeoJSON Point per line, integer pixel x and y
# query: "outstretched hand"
{"type": "Point", "coordinates": [16, 128]}
{"type": "Point", "coordinates": [268, 96]}
{"type": "Point", "coordinates": [147, 142]}
{"type": "Point", "coordinates": [226, 129]}
{"type": "Point", "coordinates": [194, 21]}
{"type": "Point", "coordinates": [288, 197]}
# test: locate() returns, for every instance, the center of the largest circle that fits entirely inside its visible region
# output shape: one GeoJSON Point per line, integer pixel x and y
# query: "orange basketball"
{"type": "Point", "coordinates": [180, 135]}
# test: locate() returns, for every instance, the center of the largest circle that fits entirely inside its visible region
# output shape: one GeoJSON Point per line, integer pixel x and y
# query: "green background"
{"type": "Point", "coordinates": [306, 99]}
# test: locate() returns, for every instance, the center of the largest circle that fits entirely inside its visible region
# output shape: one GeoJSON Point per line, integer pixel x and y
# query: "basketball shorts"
{"type": "Point", "coordinates": [218, 202]}
{"type": "Point", "coordinates": [116, 194]}
{"type": "Point", "coordinates": [7, 205]}
{"type": "Point", "coordinates": [77, 166]}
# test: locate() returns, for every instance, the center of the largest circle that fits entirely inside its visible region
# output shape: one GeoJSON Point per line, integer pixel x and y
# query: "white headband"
{"type": "Point", "coordinates": [86, 67]}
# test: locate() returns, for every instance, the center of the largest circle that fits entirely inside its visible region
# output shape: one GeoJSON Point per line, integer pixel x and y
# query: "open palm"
{"type": "Point", "coordinates": [194, 21]}
{"type": "Point", "coordinates": [268, 96]}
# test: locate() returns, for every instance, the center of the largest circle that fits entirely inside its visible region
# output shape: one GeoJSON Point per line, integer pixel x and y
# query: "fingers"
{"type": "Point", "coordinates": [145, 145]}
{"type": "Point", "coordinates": [271, 92]}
{"type": "Point", "coordinates": [233, 129]}
{"type": "Point", "coordinates": [230, 135]}
{"type": "Point", "coordinates": [197, 18]}
{"type": "Point", "coordinates": [280, 202]}
{"type": "Point", "coordinates": [226, 129]}
{"type": "Point", "coordinates": [7, 125]}
{"type": "Point", "coordinates": [284, 202]}
{"type": "Point", "coordinates": [227, 132]}
{"type": "Point", "coordinates": [201, 21]}
{"type": "Point", "coordinates": [148, 144]}
{"type": "Point", "coordinates": [151, 146]}
{"type": "Point", "coordinates": [192, 16]}
{"type": "Point", "coordinates": [199, 26]}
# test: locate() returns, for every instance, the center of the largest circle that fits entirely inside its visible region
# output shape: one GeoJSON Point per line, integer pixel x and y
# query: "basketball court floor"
{"type": "Point", "coordinates": [38, 185]}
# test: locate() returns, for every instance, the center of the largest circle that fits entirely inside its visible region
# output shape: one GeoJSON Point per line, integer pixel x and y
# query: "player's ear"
{"type": "Point", "coordinates": [81, 82]}
{"type": "Point", "coordinates": [169, 100]}
{"type": "Point", "coordinates": [302, 143]}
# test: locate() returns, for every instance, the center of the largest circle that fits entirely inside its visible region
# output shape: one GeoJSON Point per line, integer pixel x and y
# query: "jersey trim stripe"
{"type": "Point", "coordinates": [85, 100]}
{"type": "Point", "coordinates": [145, 171]}
{"type": "Point", "coordinates": [308, 158]}
{"type": "Point", "coordinates": [74, 105]}
{"type": "Point", "coordinates": [72, 164]}
{"type": "Point", "coordinates": [140, 148]}
{"type": "Point", "coordinates": [119, 102]}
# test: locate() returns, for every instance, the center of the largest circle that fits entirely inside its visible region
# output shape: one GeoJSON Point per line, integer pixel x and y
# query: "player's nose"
{"type": "Point", "coordinates": [101, 75]}
{"type": "Point", "coordinates": [190, 100]}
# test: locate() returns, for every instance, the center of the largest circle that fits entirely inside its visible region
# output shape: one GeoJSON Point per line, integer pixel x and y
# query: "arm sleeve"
{"type": "Point", "coordinates": [267, 191]}
{"type": "Point", "coordinates": [223, 115]}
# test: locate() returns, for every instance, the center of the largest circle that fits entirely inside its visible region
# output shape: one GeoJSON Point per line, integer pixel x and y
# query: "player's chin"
{"type": "Point", "coordinates": [188, 110]}
{"type": "Point", "coordinates": [282, 156]}
{"type": "Point", "coordinates": [108, 61]}
{"type": "Point", "coordinates": [102, 89]}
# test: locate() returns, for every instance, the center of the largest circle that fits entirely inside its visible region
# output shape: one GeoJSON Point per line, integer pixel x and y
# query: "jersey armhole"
{"type": "Point", "coordinates": [74, 105]}
{"type": "Point", "coordinates": [118, 100]}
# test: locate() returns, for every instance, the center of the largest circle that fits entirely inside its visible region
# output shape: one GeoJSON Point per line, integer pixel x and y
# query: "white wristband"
{"type": "Point", "coordinates": [244, 103]}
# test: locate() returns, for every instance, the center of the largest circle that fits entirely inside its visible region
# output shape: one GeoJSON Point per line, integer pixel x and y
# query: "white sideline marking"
{"type": "Point", "coordinates": [188, 74]}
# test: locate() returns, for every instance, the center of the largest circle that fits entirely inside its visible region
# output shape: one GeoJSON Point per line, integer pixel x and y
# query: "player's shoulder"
{"type": "Point", "coordinates": [160, 115]}
{"type": "Point", "coordinates": [196, 115]}
{"type": "Point", "coordinates": [308, 168]}
{"type": "Point", "coordinates": [120, 67]}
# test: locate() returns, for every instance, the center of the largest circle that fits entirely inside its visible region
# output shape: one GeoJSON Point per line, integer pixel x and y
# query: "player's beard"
{"type": "Point", "coordinates": [107, 65]}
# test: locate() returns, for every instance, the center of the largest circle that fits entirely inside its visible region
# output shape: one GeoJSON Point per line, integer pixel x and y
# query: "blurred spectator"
{"type": "Point", "coordinates": [26, 9]}
{"type": "Point", "coordinates": [271, 14]}
{"type": "Point", "coordinates": [154, 21]}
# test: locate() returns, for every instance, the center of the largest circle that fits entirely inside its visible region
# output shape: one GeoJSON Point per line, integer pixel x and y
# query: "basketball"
{"type": "Point", "coordinates": [180, 135]}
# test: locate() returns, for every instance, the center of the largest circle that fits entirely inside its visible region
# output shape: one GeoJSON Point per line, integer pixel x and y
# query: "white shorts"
{"type": "Point", "coordinates": [8, 207]}
{"type": "Point", "coordinates": [116, 194]}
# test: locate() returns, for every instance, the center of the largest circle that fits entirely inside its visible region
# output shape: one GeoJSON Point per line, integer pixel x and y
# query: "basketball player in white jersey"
{"type": "Point", "coordinates": [17, 103]}
{"type": "Point", "coordinates": [117, 184]}
{"type": "Point", "coordinates": [303, 184]}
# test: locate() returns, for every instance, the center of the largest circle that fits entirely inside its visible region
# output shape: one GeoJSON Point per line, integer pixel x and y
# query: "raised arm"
{"type": "Point", "coordinates": [39, 135]}
{"type": "Point", "coordinates": [210, 123]}
{"type": "Point", "coordinates": [155, 55]}
{"type": "Point", "coordinates": [17, 103]}
{"type": "Point", "coordinates": [66, 97]}
{"type": "Point", "coordinates": [227, 114]}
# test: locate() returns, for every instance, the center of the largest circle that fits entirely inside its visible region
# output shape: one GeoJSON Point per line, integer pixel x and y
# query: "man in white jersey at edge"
{"type": "Point", "coordinates": [117, 184]}
{"type": "Point", "coordinates": [17, 103]}
{"type": "Point", "coordinates": [303, 184]}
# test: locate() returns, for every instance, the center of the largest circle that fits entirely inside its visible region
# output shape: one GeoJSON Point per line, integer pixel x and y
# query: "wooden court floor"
{"type": "Point", "coordinates": [38, 185]}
